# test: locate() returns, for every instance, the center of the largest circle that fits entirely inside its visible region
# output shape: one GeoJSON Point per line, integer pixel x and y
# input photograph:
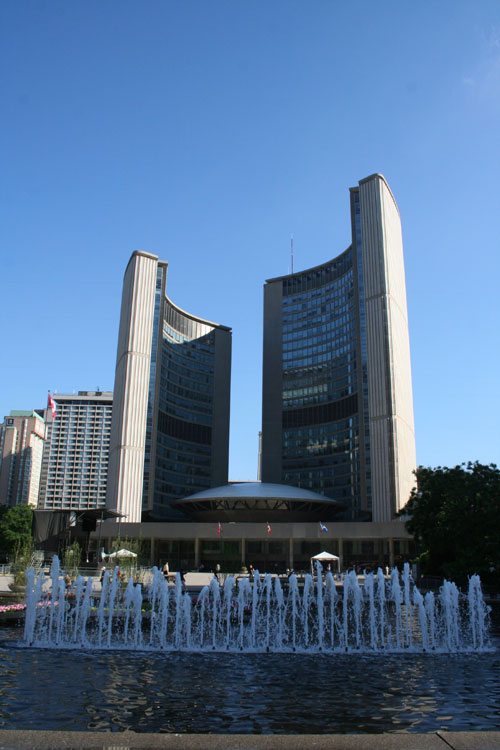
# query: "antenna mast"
{"type": "Point", "coordinates": [291, 251]}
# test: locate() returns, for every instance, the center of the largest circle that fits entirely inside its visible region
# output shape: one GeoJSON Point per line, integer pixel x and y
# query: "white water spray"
{"type": "Point", "coordinates": [370, 614]}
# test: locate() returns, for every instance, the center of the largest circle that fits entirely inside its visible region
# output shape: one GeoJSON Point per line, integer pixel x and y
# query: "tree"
{"type": "Point", "coordinates": [128, 564]}
{"type": "Point", "coordinates": [15, 529]}
{"type": "Point", "coordinates": [71, 559]}
{"type": "Point", "coordinates": [454, 517]}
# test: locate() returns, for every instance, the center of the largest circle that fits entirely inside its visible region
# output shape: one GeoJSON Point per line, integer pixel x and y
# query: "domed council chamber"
{"type": "Point", "coordinates": [258, 501]}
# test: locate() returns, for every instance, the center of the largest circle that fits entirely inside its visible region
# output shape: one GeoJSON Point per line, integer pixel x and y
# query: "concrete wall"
{"type": "Point", "coordinates": [221, 407]}
{"type": "Point", "coordinates": [304, 530]}
{"type": "Point", "coordinates": [271, 458]}
{"type": "Point", "coordinates": [392, 438]}
{"type": "Point", "coordinates": [128, 431]}
{"type": "Point", "coordinates": [21, 460]}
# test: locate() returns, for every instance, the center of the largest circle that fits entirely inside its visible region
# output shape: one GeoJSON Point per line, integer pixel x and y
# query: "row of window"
{"type": "Point", "coordinates": [302, 388]}
{"type": "Point", "coordinates": [72, 504]}
{"type": "Point", "coordinates": [195, 371]}
{"type": "Point", "coordinates": [201, 348]}
{"type": "Point", "coordinates": [167, 491]}
{"type": "Point", "coordinates": [193, 413]}
{"type": "Point", "coordinates": [320, 295]}
{"type": "Point", "coordinates": [83, 408]}
{"type": "Point", "coordinates": [319, 344]}
{"type": "Point", "coordinates": [193, 432]}
{"type": "Point", "coordinates": [343, 488]}
{"type": "Point", "coordinates": [323, 301]}
{"type": "Point", "coordinates": [324, 328]}
{"type": "Point", "coordinates": [342, 366]}
{"type": "Point", "coordinates": [343, 446]}
{"type": "Point", "coordinates": [68, 492]}
{"type": "Point", "coordinates": [172, 379]}
{"type": "Point", "coordinates": [187, 327]}
{"type": "Point", "coordinates": [169, 446]}
{"type": "Point", "coordinates": [320, 398]}
{"type": "Point", "coordinates": [92, 425]}
{"type": "Point", "coordinates": [79, 443]}
{"type": "Point", "coordinates": [57, 475]}
{"type": "Point", "coordinates": [310, 280]}
{"type": "Point", "coordinates": [306, 320]}
{"type": "Point", "coordinates": [291, 361]}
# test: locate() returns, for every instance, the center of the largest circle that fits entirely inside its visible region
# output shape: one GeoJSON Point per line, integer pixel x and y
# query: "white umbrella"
{"type": "Point", "coordinates": [326, 557]}
{"type": "Point", "coordinates": [122, 553]}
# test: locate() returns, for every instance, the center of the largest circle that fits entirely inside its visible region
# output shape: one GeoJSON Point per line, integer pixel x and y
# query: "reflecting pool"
{"type": "Point", "coordinates": [248, 692]}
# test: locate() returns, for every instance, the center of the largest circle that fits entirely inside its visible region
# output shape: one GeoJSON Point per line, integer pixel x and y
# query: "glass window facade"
{"type": "Point", "coordinates": [183, 408]}
{"type": "Point", "coordinates": [320, 435]}
{"type": "Point", "coordinates": [170, 434]}
{"type": "Point", "coordinates": [337, 413]}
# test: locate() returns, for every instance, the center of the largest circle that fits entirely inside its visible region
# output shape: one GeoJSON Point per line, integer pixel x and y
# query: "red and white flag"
{"type": "Point", "coordinates": [52, 405]}
{"type": "Point", "coordinates": [268, 528]}
{"type": "Point", "coordinates": [219, 529]}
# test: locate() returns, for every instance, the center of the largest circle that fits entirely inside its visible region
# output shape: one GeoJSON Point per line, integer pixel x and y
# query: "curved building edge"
{"type": "Point", "coordinates": [196, 318]}
{"type": "Point", "coordinates": [141, 362]}
{"type": "Point", "coordinates": [382, 400]}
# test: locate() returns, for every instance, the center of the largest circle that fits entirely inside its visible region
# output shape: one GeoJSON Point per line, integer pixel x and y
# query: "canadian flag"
{"type": "Point", "coordinates": [268, 528]}
{"type": "Point", "coordinates": [219, 529]}
{"type": "Point", "coordinates": [52, 405]}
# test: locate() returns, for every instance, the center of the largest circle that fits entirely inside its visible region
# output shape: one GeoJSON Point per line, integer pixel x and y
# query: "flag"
{"type": "Point", "coordinates": [52, 405]}
{"type": "Point", "coordinates": [219, 529]}
{"type": "Point", "coordinates": [322, 526]}
{"type": "Point", "coordinates": [268, 528]}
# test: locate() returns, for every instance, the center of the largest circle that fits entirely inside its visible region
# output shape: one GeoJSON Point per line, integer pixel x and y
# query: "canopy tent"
{"type": "Point", "coordinates": [121, 553]}
{"type": "Point", "coordinates": [53, 530]}
{"type": "Point", "coordinates": [326, 557]}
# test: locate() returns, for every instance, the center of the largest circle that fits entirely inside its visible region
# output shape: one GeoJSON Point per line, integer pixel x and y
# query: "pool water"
{"type": "Point", "coordinates": [248, 693]}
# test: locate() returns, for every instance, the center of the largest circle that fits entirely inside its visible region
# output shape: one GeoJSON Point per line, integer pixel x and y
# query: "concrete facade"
{"type": "Point", "coordinates": [390, 395]}
{"type": "Point", "coordinates": [22, 438]}
{"type": "Point", "coordinates": [76, 452]}
{"type": "Point", "coordinates": [128, 431]}
{"type": "Point", "coordinates": [290, 545]}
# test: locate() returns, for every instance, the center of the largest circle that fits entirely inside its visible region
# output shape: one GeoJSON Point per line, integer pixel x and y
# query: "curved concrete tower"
{"type": "Point", "coordinates": [170, 430]}
{"type": "Point", "coordinates": [337, 408]}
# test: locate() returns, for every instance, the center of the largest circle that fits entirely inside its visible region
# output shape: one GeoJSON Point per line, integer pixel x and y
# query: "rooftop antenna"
{"type": "Point", "coordinates": [291, 251]}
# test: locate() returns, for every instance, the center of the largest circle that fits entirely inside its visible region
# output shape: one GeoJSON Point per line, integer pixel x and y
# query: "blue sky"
{"type": "Point", "coordinates": [207, 132]}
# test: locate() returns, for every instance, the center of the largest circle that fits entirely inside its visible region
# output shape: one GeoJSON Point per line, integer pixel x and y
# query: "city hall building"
{"type": "Point", "coordinates": [170, 429]}
{"type": "Point", "coordinates": [337, 406]}
{"type": "Point", "coordinates": [338, 447]}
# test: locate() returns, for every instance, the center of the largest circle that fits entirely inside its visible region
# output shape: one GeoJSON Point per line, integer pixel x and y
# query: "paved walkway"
{"type": "Point", "coordinates": [32, 740]}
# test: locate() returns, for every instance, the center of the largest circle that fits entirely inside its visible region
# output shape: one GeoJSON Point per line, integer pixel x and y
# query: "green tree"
{"type": "Point", "coordinates": [128, 564]}
{"type": "Point", "coordinates": [454, 516]}
{"type": "Point", "coordinates": [15, 530]}
{"type": "Point", "coordinates": [71, 559]}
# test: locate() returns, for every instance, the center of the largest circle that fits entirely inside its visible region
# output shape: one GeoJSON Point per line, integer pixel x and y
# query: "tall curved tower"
{"type": "Point", "coordinates": [337, 406]}
{"type": "Point", "coordinates": [170, 429]}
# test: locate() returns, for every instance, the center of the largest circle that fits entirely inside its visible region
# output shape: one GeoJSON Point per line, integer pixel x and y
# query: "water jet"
{"type": "Point", "coordinates": [377, 615]}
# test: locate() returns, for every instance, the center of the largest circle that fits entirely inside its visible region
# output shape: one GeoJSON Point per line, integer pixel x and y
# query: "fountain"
{"type": "Point", "coordinates": [385, 614]}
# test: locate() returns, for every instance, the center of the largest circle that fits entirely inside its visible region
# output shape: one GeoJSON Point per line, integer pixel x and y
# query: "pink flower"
{"type": "Point", "coordinates": [12, 607]}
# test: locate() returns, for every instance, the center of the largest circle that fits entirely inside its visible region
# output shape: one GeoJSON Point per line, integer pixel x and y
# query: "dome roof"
{"type": "Point", "coordinates": [258, 501]}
